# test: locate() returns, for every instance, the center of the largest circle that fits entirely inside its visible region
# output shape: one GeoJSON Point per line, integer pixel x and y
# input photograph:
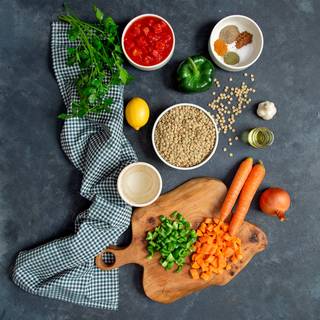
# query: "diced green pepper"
{"type": "Point", "coordinates": [173, 238]}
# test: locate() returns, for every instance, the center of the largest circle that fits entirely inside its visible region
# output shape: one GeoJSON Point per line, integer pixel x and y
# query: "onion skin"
{"type": "Point", "coordinates": [275, 202]}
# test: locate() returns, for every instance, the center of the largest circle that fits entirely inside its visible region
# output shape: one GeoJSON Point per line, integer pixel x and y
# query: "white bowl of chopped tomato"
{"type": "Point", "coordinates": [148, 42]}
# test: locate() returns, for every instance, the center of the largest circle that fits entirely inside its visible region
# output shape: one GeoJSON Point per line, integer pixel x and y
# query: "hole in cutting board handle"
{"type": "Point", "coordinates": [109, 258]}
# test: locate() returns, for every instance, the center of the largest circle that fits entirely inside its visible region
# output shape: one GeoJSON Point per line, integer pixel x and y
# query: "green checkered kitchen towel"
{"type": "Point", "coordinates": [64, 269]}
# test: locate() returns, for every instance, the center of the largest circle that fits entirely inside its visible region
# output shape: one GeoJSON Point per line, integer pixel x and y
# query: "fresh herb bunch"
{"type": "Point", "coordinates": [98, 53]}
{"type": "Point", "coordinates": [174, 239]}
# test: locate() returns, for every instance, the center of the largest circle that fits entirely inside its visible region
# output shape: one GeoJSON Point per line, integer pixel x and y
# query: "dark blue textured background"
{"type": "Point", "coordinates": [39, 188]}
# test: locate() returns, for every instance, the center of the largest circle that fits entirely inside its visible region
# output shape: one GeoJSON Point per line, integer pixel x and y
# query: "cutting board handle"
{"type": "Point", "coordinates": [122, 256]}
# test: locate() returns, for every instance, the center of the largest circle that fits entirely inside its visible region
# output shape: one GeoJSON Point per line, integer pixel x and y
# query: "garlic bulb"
{"type": "Point", "coordinates": [266, 110]}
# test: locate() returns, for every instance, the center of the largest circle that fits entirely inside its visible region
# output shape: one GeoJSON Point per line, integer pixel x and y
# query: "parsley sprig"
{"type": "Point", "coordinates": [97, 51]}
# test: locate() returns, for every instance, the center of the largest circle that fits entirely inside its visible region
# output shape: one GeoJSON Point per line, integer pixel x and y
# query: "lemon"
{"type": "Point", "coordinates": [137, 113]}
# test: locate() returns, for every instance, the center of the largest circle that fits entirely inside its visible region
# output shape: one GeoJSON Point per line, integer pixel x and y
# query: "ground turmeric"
{"type": "Point", "coordinates": [220, 47]}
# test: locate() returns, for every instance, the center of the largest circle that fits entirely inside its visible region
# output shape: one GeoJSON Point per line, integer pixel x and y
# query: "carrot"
{"type": "Point", "coordinates": [216, 250]}
{"type": "Point", "coordinates": [235, 188]}
{"type": "Point", "coordinates": [248, 191]}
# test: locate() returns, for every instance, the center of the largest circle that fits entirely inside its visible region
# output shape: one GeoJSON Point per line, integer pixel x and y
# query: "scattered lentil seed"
{"type": "Point", "coordinates": [230, 154]}
{"type": "Point", "coordinates": [226, 112]}
{"type": "Point", "coordinates": [225, 149]}
{"type": "Point", "coordinates": [236, 138]}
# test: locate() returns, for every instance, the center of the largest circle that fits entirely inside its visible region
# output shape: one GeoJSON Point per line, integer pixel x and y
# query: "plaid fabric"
{"type": "Point", "coordinates": [64, 269]}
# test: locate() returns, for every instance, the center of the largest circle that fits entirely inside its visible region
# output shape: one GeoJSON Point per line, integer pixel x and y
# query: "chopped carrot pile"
{"type": "Point", "coordinates": [215, 250]}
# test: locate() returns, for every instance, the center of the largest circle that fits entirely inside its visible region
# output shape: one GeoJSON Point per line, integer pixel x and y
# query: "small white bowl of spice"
{"type": "Point", "coordinates": [185, 136]}
{"type": "Point", "coordinates": [236, 43]}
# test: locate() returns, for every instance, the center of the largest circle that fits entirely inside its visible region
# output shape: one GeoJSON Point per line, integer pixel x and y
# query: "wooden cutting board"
{"type": "Point", "coordinates": [196, 199]}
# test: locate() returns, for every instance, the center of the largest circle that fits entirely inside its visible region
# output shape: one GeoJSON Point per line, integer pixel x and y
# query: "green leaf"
{"type": "Point", "coordinates": [95, 82]}
{"type": "Point", "coordinates": [73, 33]}
{"type": "Point", "coordinates": [99, 13]}
{"type": "Point", "coordinates": [63, 116]}
{"type": "Point", "coordinates": [97, 43]}
{"type": "Point", "coordinates": [92, 98]}
{"type": "Point", "coordinates": [110, 26]}
{"type": "Point", "coordinates": [107, 101]}
{"type": "Point", "coordinates": [71, 50]}
{"type": "Point", "coordinates": [71, 60]}
{"type": "Point", "coordinates": [123, 75]}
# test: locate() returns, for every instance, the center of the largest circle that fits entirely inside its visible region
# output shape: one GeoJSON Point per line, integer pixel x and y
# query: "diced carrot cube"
{"type": "Point", "coordinates": [216, 220]}
{"type": "Point", "coordinates": [208, 220]}
{"type": "Point", "coordinates": [195, 265]}
{"type": "Point", "coordinates": [234, 259]}
{"type": "Point", "coordinates": [204, 268]}
{"type": "Point", "coordinates": [225, 227]}
{"type": "Point", "coordinates": [210, 259]}
{"type": "Point", "coordinates": [203, 227]}
{"type": "Point", "coordinates": [199, 233]}
{"type": "Point", "coordinates": [215, 270]}
{"type": "Point", "coordinates": [228, 252]}
{"type": "Point", "coordinates": [227, 237]}
{"type": "Point", "coordinates": [194, 273]}
{"type": "Point", "coordinates": [222, 262]}
{"type": "Point", "coordinates": [205, 276]}
{"type": "Point", "coordinates": [210, 227]}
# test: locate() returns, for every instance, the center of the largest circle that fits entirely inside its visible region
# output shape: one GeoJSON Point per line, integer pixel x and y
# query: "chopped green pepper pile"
{"type": "Point", "coordinates": [174, 239]}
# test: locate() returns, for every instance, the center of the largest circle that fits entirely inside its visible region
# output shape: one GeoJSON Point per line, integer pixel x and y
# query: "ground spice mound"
{"type": "Point", "coordinates": [229, 33]}
{"type": "Point", "coordinates": [185, 136]}
{"type": "Point", "coordinates": [243, 39]}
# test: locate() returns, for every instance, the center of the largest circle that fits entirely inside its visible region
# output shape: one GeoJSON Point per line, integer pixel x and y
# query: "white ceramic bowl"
{"type": "Point", "coordinates": [215, 143]}
{"type": "Point", "coordinates": [139, 184]}
{"type": "Point", "coordinates": [139, 66]}
{"type": "Point", "coordinates": [249, 54]}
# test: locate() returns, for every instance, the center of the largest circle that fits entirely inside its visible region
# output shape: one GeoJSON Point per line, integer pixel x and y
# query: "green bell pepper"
{"type": "Point", "coordinates": [195, 74]}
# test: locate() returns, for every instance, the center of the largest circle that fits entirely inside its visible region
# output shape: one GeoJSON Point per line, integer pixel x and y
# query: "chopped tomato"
{"type": "Point", "coordinates": [146, 30]}
{"type": "Point", "coordinates": [148, 41]}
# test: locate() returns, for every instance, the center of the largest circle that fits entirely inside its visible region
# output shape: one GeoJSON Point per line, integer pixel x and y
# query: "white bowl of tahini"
{"type": "Point", "coordinates": [139, 184]}
{"type": "Point", "coordinates": [248, 54]}
{"type": "Point", "coordinates": [185, 148]}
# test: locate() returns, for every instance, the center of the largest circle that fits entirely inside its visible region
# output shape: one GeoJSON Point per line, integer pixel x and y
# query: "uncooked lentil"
{"type": "Point", "coordinates": [225, 113]}
{"type": "Point", "coordinates": [185, 136]}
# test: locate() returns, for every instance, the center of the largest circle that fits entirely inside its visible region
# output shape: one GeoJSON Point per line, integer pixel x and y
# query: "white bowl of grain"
{"type": "Point", "coordinates": [185, 136]}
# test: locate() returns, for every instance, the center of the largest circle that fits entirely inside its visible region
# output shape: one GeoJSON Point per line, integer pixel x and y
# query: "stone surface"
{"type": "Point", "coordinates": [39, 188]}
